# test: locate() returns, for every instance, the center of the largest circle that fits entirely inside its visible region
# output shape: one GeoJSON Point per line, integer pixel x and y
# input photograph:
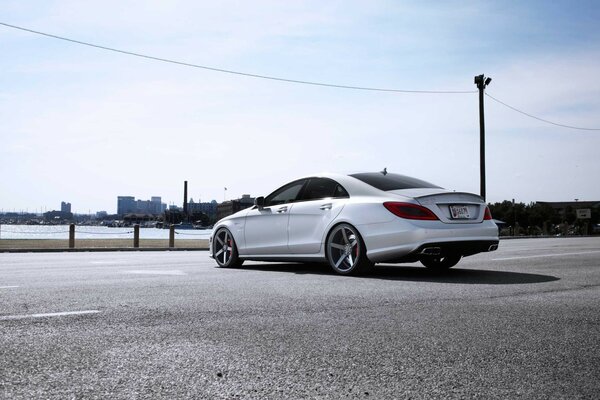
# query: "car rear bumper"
{"type": "Point", "coordinates": [464, 248]}
{"type": "Point", "coordinates": [404, 242]}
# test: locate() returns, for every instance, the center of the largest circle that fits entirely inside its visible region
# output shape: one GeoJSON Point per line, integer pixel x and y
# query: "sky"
{"type": "Point", "coordinates": [85, 125]}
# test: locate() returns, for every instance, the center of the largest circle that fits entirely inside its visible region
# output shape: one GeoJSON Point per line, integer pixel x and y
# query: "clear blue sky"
{"type": "Point", "coordinates": [85, 125]}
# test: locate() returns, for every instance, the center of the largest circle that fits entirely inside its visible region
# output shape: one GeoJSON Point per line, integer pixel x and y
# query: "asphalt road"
{"type": "Point", "coordinates": [521, 322]}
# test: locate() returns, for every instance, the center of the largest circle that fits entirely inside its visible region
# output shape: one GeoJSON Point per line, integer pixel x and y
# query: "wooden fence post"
{"type": "Point", "coordinates": [172, 236]}
{"type": "Point", "coordinates": [136, 235]}
{"type": "Point", "coordinates": [72, 236]}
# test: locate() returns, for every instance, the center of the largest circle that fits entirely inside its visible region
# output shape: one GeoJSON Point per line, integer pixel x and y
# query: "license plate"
{"type": "Point", "coordinates": [460, 212]}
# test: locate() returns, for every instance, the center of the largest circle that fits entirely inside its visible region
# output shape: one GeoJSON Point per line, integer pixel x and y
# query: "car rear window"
{"type": "Point", "coordinates": [392, 181]}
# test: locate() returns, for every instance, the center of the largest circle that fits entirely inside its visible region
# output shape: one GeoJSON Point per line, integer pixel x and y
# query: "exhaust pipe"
{"type": "Point", "coordinates": [431, 251]}
{"type": "Point", "coordinates": [493, 247]}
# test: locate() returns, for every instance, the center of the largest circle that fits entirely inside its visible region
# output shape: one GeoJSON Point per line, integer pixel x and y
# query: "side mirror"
{"type": "Point", "coordinates": [259, 202]}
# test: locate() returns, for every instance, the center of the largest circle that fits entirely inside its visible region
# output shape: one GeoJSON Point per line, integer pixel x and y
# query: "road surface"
{"type": "Point", "coordinates": [521, 322]}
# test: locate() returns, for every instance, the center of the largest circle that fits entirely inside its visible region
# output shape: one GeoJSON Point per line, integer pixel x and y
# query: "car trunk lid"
{"type": "Point", "coordinates": [449, 207]}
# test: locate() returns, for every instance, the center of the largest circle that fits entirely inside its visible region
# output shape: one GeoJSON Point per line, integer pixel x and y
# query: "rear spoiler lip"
{"type": "Point", "coordinates": [450, 193]}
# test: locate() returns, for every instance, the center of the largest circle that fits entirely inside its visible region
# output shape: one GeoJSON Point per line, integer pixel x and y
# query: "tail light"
{"type": "Point", "coordinates": [488, 214]}
{"type": "Point", "coordinates": [410, 211]}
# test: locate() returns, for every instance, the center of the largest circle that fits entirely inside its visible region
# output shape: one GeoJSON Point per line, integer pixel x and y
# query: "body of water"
{"type": "Point", "coordinates": [94, 232]}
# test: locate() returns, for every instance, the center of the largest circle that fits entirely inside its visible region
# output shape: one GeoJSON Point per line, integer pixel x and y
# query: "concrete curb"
{"type": "Point", "coordinates": [102, 249]}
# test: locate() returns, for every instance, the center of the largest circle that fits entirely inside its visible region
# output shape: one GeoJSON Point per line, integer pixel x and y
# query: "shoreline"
{"type": "Point", "coordinates": [19, 245]}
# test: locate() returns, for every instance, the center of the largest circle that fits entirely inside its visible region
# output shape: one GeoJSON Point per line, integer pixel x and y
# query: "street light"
{"type": "Point", "coordinates": [481, 81]}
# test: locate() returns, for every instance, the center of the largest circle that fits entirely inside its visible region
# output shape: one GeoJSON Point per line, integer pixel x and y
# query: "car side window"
{"type": "Point", "coordinates": [285, 194]}
{"type": "Point", "coordinates": [340, 192]}
{"type": "Point", "coordinates": [321, 188]}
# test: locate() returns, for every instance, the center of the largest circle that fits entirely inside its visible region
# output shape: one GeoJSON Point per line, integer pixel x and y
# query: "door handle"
{"type": "Point", "coordinates": [282, 210]}
{"type": "Point", "coordinates": [326, 206]}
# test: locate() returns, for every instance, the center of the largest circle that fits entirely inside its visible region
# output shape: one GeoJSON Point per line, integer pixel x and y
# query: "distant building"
{"type": "Point", "coordinates": [65, 207]}
{"type": "Point", "coordinates": [58, 216]}
{"type": "Point", "coordinates": [101, 214]}
{"type": "Point", "coordinates": [64, 215]}
{"type": "Point", "coordinates": [232, 206]}
{"type": "Point", "coordinates": [561, 206]}
{"type": "Point", "coordinates": [584, 212]}
{"type": "Point", "coordinates": [209, 209]}
{"type": "Point", "coordinates": [125, 205]}
{"type": "Point", "coordinates": [129, 205]}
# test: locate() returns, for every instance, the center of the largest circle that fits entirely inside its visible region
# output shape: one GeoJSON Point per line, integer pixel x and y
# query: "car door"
{"type": "Point", "coordinates": [320, 202]}
{"type": "Point", "coordinates": [266, 228]}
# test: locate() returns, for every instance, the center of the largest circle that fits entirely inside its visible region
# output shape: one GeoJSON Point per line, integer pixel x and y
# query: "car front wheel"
{"type": "Point", "coordinates": [346, 251]}
{"type": "Point", "coordinates": [225, 250]}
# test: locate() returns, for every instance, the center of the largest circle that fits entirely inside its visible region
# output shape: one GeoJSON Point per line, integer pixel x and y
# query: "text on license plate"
{"type": "Point", "coordinates": [460, 212]}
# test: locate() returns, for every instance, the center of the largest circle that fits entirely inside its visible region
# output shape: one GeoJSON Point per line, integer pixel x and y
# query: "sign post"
{"type": "Point", "coordinates": [584, 213]}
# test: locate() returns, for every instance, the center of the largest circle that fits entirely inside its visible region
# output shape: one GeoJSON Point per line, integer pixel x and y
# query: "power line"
{"type": "Point", "coordinates": [288, 80]}
{"type": "Point", "coordinates": [237, 72]}
{"type": "Point", "coordinates": [541, 119]}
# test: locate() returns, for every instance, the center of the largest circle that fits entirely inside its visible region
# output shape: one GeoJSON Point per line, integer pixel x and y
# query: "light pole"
{"type": "Point", "coordinates": [481, 81]}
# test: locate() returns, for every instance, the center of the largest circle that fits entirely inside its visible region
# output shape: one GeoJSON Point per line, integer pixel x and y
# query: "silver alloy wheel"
{"type": "Point", "coordinates": [225, 252]}
{"type": "Point", "coordinates": [344, 249]}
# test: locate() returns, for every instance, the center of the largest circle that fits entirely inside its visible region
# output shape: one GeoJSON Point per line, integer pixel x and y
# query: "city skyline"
{"type": "Point", "coordinates": [213, 202]}
{"type": "Point", "coordinates": [93, 124]}
{"type": "Point", "coordinates": [66, 207]}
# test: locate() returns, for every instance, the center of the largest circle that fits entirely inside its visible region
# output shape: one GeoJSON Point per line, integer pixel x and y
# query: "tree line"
{"type": "Point", "coordinates": [542, 219]}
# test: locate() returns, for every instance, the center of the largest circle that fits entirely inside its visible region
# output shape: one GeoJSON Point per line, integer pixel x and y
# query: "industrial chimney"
{"type": "Point", "coordinates": [185, 201]}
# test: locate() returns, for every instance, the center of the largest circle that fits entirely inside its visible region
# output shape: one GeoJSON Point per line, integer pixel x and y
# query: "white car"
{"type": "Point", "coordinates": [354, 221]}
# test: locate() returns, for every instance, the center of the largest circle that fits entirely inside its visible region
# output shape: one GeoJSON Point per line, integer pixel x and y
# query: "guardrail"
{"type": "Point", "coordinates": [136, 236]}
{"type": "Point", "coordinates": [72, 233]}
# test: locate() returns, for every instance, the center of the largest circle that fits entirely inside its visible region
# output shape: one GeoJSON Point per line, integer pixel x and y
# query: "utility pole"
{"type": "Point", "coordinates": [481, 81]}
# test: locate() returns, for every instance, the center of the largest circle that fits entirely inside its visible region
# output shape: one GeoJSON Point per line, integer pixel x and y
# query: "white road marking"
{"type": "Point", "coordinates": [57, 314]}
{"type": "Point", "coordinates": [155, 272]}
{"type": "Point", "coordinates": [107, 262]}
{"type": "Point", "coordinates": [8, 287]}
{"type": "Point", "coordinates": [546, 255]}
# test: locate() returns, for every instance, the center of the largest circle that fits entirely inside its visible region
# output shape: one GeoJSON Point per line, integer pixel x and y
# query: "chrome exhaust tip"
{"type": "Point", "coordinates": [431, 251]}
{"type": "Point", "coordinates": [493, 247]}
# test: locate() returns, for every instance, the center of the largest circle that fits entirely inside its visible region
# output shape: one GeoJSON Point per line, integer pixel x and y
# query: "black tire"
{"type": "Point", "coordinates": [225, 250]}
{"type": "Point", "coordinates": [346, 251]}
{"type": "Point", "coordinates": [442, 262]}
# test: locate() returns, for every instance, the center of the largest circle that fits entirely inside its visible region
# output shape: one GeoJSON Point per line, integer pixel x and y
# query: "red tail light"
{"type": "Point", "coordinates": [488, 214]}
{"type": "Point", "coordinates": [410, 211]}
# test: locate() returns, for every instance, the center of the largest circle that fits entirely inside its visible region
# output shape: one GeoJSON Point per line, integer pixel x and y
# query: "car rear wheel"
{"type": "Point", "coordinates": [441, 263]}
{"type": "Point", "coordinates": [225, 250]}
{"type": "Point", "coordinates": [346, 251]}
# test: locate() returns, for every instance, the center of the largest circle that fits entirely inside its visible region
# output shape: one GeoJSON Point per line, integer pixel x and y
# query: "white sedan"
{"type": "Point", "coordinates": [354, 221]}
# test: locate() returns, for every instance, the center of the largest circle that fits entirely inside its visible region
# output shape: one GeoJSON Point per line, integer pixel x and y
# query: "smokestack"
{"type": "Point", "coordinates": [185, 204]}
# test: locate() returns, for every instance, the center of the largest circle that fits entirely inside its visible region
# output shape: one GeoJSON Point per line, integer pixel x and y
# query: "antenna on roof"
{"type": "Point", "coordinates": [384, 172]}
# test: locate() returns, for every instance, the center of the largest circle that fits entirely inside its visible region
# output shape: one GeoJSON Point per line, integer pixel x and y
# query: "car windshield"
{"type": "Point", "coordinates": [390, 181]}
